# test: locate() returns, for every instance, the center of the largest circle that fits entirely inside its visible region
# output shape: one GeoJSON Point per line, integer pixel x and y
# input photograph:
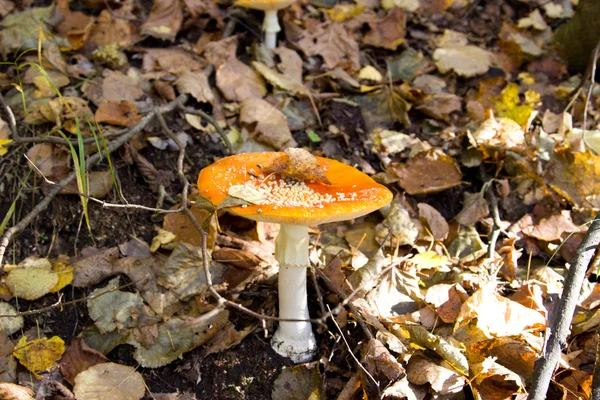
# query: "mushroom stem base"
{"type": "Point", "coordinates": [293, 339]}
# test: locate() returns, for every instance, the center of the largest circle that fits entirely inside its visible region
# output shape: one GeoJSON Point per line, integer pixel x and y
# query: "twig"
{"type": "Point", "coordinates": [42, 205]}
{"type": "Point", "coordinates": [213, 122]}
{"type": "Point", "coordinates": [563, 314]}
{"type": "Point", "coordinates": [353, 309]}
{"type": "Point", "coordinates": [102, 202]}
{"type": "Point", "coordinates": [12, 122]}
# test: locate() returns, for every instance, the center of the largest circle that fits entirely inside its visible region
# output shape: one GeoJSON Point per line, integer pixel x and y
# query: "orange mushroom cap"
{"type": "Point", "coordinates": [350, 194]}
{"type": "Point", "coordinates": [264, 5]}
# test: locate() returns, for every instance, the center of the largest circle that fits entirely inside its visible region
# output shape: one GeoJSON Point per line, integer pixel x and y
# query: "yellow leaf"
{"type": "Point", "coordinates": [40, 354]}
{"type": "Point", "coordinates": [507, 105]}
{"type": "Point", "coordinates": [431, 260]}
{"type": "Point", "coordinates": [65, 275]}
{"type": "Point", "coordinates": [343, 12]}
{"type": "Point", "coordinates": [163, 238]}
{"type": "Point", "coordinates": [4, 150]}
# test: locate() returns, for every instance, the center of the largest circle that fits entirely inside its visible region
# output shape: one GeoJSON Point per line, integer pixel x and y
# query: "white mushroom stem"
{"type": "Point", "coordinates": [271, 27]}
{"type": "Point", "coordinates": [293, 339]}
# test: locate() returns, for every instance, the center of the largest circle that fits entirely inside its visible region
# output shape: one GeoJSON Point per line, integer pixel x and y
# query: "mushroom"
{"type": "Point", "coordinates": [295, 190]}
{"type": "Point", "coordinates": [270, 23]}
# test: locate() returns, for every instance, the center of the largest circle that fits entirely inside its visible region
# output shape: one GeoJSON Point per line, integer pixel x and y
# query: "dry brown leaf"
{"type": "Point", "coordinates": [77, 358]}
{"type": "Point", "coordinates": [118, 382]}
{"type": "Point", "coordinates": [440, 105]}
{"type": "Point", "coordinates": [474, 208]}
{"type": "Point", "coordinates": [280, 80]}
{"type": "Point", "coordinates": [119, 114]}
{"type": "Point", "coordinates": [197, 8]}
{"type": "Point", "coordinates": [380, 363]}
{"type": "Point", "coordinates": [109, 30]}
{"type": "Point", "coordinates": [170, 60]}
{"type": "Point", "coordinates": [290, 63]}
{"type": "Point", "coordinates": [265, 123]}
{"type": "Point", "coordinates": [552, 228]}
{"type": "Point", "coordinates": [52, 161]}
{"type": "Point", "coordinates": [443, 381]}
{"type": "Point", "coordinates": [91, 270]}
{"type": "Point", "coordinates": [181, 225]}
{"type": "Point", "coordinates": [300, 382]}
{"type": "Point", "coordinates": [497, 316]}
{"type": "Point", "coordinates": [219, 52]}
{"type": "Point", "coordinates": [165, 20]}
{"type": "Point", "coordinates": [447, 300]}
{"type": "Point", "coordinates": [297, 164]}
{"type": "Point", "coordinates": [75, 25]}
{"type": "Point", "coordinates": [227, 338]}
{"type": "Point", "coordinates": [196, 84]}
{"type": "Point", "coordinates": [576, 177]}
{"type": "Point", "coordinates": [239, 82]}
{"type": "Point", "coordinates": [6, 7]}
{"type": "Point", "coordinates": [387, 32]}
{"type": "Point", "coordinates": [434, 220]}
{"type": "Point", "coordinates": [332, 42]}
{"type": "Point", "coordinates": [8, 364]}
{"type": "Point", "coordinates": [467, 60]}
{"type": "Point", "coordinates": [427, 172]}
{"type": "Point", "coordinates": [237, 257]}
{"type": "Point", "coordinates": [10, 391]}
{"type": "Point", "coordinates": [117, 87]}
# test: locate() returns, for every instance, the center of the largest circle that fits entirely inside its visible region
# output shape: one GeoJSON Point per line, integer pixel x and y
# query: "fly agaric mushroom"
{"type": "Point", "coordinates": [295, 190]}
{"type": "Point", "coordinates": [270, 23]}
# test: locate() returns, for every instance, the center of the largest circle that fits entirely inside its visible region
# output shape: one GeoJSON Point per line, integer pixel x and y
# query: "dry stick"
{"type": "Point", "coordinates": [102, 202]}
{"type": "Point", "coordinates": [563, 314]}
{"type": "Point", "coordinates": [12, 122]}
{"type": "Point", "coordinates": [353, 309]}
{"type": "Point", "coordinates": [42, 205]}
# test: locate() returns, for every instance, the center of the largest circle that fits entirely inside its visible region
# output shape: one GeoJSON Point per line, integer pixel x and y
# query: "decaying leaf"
{"type": "Point", "coordinates": [239, 82]}
{"type": "Point", "coordinates": [109, 380]}
{"type": "Point", "coordinates": [434, 221]}
{"type": "Point", "coordinates": [576, 177]}
{"type": "Point", "coordinates": [443, 381]}
{"type": "Point", "coordinates": [176, 337]}
{"type": "Point", "coordinates": [165, 20]}
{"type": "Point", "coordinates": [380, 363]}
{"type": "Point", "coordinates": [9, 325]}
{"type": "Point", "coordinates": [91, 270]}
{"type": "Point", "coordinates": [265, 123]}
{"type": "Point", "coordinates": [32, 279]}
{"type": "Point", "coordinates": [551, 228]}
{"type": "Point", "coordinates": [474, 208]}
{"type": "Point", "coordinates": [400, 224]}
{"type": "Point", "coordinates": [300, 382]}
{"type": "Point", "coordinates": [40, 354]}
{"type": "Point", "coordinates": [119, 114]}
{"type": "Point", "coordinates": [388, 32]}
{"type": "Point", "coordinates": [196, 84]}
{"type": "Point", "coordinates": [427, 172]}
{"type": "Point", "coordinates": [10, 391]}
{"type": "Point", "coordinates": [466, 60]}
{"type": "Point", "coordinates": [78, 358]}
{"type": "Point", "coordinates": [281, 81]}
{"type": "Point", "coordinates": [297, 164]}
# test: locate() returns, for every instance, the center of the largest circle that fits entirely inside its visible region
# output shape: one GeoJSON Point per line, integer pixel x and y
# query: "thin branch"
{"type": "Point", "coordinates": [563, 313]}
{"type": "Point", "coordinates": [102, 202]}
{"type": "Point", "coordinates": [111, 147]}
{"type": "Point", "coordinates": [12, 122]}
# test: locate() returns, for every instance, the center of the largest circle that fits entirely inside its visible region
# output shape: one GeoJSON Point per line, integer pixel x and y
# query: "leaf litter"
{"type": "Point", "coordinates": [389, 88]}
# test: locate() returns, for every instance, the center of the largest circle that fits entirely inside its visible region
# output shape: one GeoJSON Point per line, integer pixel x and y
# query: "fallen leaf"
{"type": "Point", "coordinates": [31, 283]}
{"type": "Point", "coordinates": [10, 391]}
{"type": "Point", "coordinates": [380, 363]}
{"type": "Point", "coordinates": [576, 177]}
{"type": "Point", "coordinates": [388, 32]}
{"type": "Point", "coordinates": [239, 82]}
{"type": "Point", "coordinates": [171, 60]}
{"type": "Point", "coordinates": [297, 164]}
{"type": "Point", "coordinates": [196, 84]}
{"type": "Point", "coordinates": [281, 81]}
{"type": "Point", "coordinates": [119, 382]}
{"type": "Point", "coordinates": [119, 114]}
{"type": "Point", "coordinates": [400, 224]}
{"type": "Point", "coordinates": [20, 30]}
{"type": "Point", "coordinates": [91, 270]}
{"type": "Point", "coordinates": [408, 5]}
{"type": "Point", "coordinates": [552, 228]}
{"type": "Point", "coordinates": [467, 61]}
{"type": "Point", "coordinates": [290, 63]}
{"type": "Point", "coordinates": [77, 358]}
{"type": "Point", "coordinates": [443, 381]}
{"type": "Point", "coordinates": [434, 221]}
{"type": "Point", "coordinates": [176, 337]}
{"type": "Point", "coordinates": [227, 337]}
{"type": "Point", "coordinates": [112, 30]}
{"type": "Point", "coordinates": [533, 20]}
{"type": "Point", "coordinates": [8, 363]}
{"type": "Point", "coordinates": [333, 43]}
{"type": "Point", "coordinates": [475, 207]}
{"type": "Point", "coordinates": [40, 354]}
{"type": "Point", "coordinates": [113, 309]}
{"type": "Point", "coordinates": [427, 172]}
{"type": "Point", "coordinates": [12, 324]}
{"type": "Point", "coordinates": [164, 21]}
{"type": "Point", "coordinates": [237, 257]}
{"type": "Point", "coordinates": [500, 134]}
{"type": "Point", "coordinates": [447, 300]}
{"type": "Point", "coordinates": [265, 123]}
{"type": "Point", "coordinates": [507, 105]}
{"type": "Point", "coordinates": [300, 382]}
{"type": "Point", "coordinates": [117, 87]}
{"type": "Point", "coordinates": [440, 105]}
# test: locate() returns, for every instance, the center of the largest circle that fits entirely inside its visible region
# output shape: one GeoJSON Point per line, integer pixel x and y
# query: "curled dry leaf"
{"type": "Point", "coordinates": [280, 80]}
{"type": "Point", "coordinates": [119, 114]}
{"type": "Point", "coordinates": [447, 300]}
{"type": "Point", "coordinates": [388, 32]}
{"type": "Point", "coordinates": [109, 380]}
{"type": "Point", "coordinates": [10, 391]}
{"type": "Point", "coordinates": [165, 20]}
{"type": "Point", "coordinates": [432, 218]}
{"type": "Point", "coordinates": [297, 164]}
{"type": "Point", "coordinates": [266, 123]}
{"type": "Point", "coordinates": [40, 354]}
{"type": "Point", "coordinates": [196, 84]}
{"type": "Point", "coordinates": [79, 357]}
{"type": "Point", "coordinates": [380, 363]}
{"type": "Point", "coordinates": [551, 228]}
